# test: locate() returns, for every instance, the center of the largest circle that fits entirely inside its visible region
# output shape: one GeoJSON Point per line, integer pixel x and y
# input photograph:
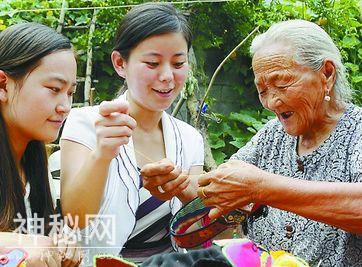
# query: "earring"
{"type": "Point", "coordinates": [327, 97]}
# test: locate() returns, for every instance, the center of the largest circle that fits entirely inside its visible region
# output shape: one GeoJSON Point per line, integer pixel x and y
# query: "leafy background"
{"type": "Point", "coordinates": [218, 27]}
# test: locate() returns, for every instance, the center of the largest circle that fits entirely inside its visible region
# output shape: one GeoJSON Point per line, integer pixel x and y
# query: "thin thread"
{"type": "Point", "coordinates": [151, 161]}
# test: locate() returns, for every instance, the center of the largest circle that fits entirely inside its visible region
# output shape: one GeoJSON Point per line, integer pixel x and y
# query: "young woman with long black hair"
{"type": "Point", "coordinates": [37, 81]}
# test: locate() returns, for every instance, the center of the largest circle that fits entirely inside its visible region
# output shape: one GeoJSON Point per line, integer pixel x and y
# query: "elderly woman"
{"type": "Point", "coordinates": [306, 165]}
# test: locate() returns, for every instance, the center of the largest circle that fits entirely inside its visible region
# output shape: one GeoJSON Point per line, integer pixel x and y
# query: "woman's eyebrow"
{"type": "Point", "coordinates": [159, 55]}
{"type": "Point", "coordinates": [61, 80]}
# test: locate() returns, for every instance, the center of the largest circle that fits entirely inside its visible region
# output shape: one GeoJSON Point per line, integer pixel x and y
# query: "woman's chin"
{"type": "Point", "coordinates": [49, 138]}
{"type": "Point", "coordinates": [162, 106]}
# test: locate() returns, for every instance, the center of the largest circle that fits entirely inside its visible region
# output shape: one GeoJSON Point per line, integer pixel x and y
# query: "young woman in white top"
{"type": "Point", "coordinates": [37, 81]}
{"type": "Point", "coordinates": [104, 148]}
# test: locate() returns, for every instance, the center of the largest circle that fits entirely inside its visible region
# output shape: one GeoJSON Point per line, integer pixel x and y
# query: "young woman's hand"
{"type": "Point", "coordinates": [114, 126]}
{"type": "Point", "coordinates": [163, 179]}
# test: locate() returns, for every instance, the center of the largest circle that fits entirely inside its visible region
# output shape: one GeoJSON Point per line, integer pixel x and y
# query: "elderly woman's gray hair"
{"type": "Point", "coordinates": [312, 46]}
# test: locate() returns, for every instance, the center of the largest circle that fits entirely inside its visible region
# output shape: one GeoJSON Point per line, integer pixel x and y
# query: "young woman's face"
{"type": "Point", "coordinates": [156, 70]}
{"type": "Point", "coordinates": [36, 108]}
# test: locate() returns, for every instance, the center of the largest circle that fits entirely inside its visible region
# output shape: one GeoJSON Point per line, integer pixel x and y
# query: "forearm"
{"type": "Point", "coordinates": [337, 204]}
{"type": "Point", "coordinates": [17, 240]}
{"type": "Point", "coordinates": [9, 239]}
{"type": "Point", "coordinates": [83, 194]}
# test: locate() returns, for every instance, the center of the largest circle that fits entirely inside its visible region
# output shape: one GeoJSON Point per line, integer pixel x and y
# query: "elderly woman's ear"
{"type": "Point", "coordinates": [329, 72]}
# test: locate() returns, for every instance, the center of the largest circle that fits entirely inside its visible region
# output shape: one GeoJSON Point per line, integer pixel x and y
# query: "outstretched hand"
{"type": "Point", "coordinates": [232, 185]}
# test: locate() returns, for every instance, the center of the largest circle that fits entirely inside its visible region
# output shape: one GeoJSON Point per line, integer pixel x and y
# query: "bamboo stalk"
{"type": "Point", "coordinates": [76, 27]}
{"type": "Point", "coordinates": [88, 73]}
{"type": "Point", "coordinates": [178, 106]}
{"type": "Point", "coordinates": [62, 16]}
{"type": "Point", "coordinates": [91, 98]}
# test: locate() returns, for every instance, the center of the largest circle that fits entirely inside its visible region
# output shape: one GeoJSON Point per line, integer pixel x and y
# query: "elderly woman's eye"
{"type": "Point", "coordinates": [281, 87]}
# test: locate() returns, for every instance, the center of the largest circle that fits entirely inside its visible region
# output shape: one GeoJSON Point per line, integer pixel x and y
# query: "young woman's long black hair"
{"type": "Point", "coordinates": [22, 47]}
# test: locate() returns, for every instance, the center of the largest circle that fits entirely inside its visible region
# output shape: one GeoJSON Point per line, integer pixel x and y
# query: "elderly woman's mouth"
{"type": "Point", "coordinates": [286, 115]}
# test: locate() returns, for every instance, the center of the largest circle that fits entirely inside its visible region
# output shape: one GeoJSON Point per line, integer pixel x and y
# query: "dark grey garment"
{"type": "Point", "coordinates": [210, 257]}
{"type": "Point", "coordinates": [338, 159]}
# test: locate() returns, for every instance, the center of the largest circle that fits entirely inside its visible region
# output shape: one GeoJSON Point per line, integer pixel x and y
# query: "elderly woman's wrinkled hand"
{"type": "Point", "coordinates": [232, 185]}
{"type": "Point", "coordinates": [163, 179]}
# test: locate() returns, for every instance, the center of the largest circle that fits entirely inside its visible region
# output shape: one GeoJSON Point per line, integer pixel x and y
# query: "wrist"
{"type": "Point", "coordinates": [261, 186]}
{"type": "Point", "coordinates": [186, 195]}
{"type": "Point", "coordinates": [98, 158]}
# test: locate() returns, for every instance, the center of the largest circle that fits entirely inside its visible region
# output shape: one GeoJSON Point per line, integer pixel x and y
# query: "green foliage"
{"type": "Point", "coordinates": [231, 22]}
{"type": "Point", "coordinates": [234, 131]}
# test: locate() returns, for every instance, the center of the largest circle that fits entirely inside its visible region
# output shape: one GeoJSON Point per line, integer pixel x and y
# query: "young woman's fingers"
{"type": "Point", "coordinates": [108, 107]}
{"type": "Point", "coordinates": [114, 131]}
{"type": "Point", "coordinates": [116, 119]}
{"type": "Point", "coordinates": [173, 185]}
{"type": "Point", "coordinates": [154, 181]}
{"type": "Point", "coordinates": [161, 167]}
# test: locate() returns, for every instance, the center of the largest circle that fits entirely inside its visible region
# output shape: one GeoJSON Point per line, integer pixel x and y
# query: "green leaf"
{"type": "Point", "coordinates": [218, 128]}
{"type": "Point", "coordinates": [218, 156]}
{"type": "Point", "coordinates": [360, 53]}
{"type": "Point", "coordinates": [238, 143]}
{"type": "Point", "coordinates": [268, 113]}
{"type": "Point", "coordinates": [252, 130]}
{"type": "Point", "coordinates": [243, 118]}
{"type": "Point", "coordinates": [257, 125]}
{"type": "Point", "coordinates": [357, 79]}
{"type": "Point", "coordinates": [350, 41]}
{"type": "Point", "coordinates": [108, 69]}
{"type": "Point", "coordinates": [352, 67]}
{"type": "Point", "coordinates": [235, 133]}
{"type": "Point", "coordinates": [215, 142]}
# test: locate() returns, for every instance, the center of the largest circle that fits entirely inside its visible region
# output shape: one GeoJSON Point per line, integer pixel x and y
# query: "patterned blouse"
{"type": "Point", "coordinates": [338, 159]}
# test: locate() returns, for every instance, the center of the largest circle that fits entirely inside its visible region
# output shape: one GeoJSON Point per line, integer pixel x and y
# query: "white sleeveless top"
{"type": "Point", "coordinates": [121, 198]}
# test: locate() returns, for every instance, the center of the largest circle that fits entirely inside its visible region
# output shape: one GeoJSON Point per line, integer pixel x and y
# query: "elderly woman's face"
{"type": "Point", "coordinates": [293, 92]}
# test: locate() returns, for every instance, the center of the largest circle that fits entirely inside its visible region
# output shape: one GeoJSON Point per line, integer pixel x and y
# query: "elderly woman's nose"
{"type": "Point", "coordinates": [273, 101]}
